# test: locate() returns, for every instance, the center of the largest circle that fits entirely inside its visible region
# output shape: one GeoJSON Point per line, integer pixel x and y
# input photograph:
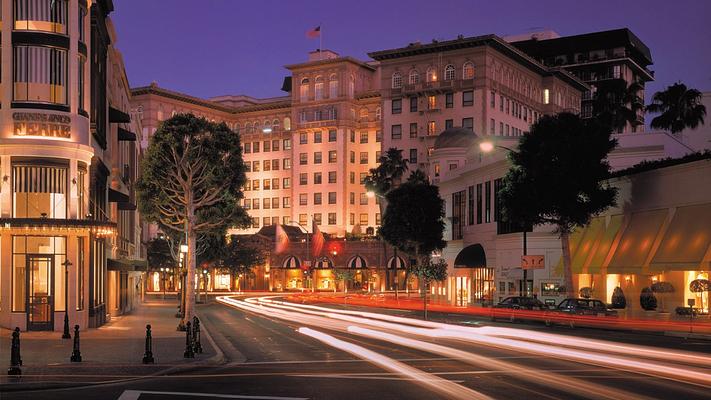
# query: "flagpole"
{"type": "Point", "coordinates": [320, 41]}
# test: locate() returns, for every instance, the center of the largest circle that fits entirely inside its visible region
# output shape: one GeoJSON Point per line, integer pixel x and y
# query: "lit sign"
{"type": "Point", "coordinates": [38, 124]}
{"type": "Point", "coordinates": [533, 262]}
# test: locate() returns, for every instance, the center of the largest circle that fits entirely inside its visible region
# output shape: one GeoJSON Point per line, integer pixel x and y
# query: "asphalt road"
{"type": "Point", "coordinates": [269, 358]}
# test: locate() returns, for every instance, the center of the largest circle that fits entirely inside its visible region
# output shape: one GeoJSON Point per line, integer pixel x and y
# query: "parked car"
{"type": "Point", "coordinates": [580, 307]}
{"type": "Point", "coordinates": [517, 303]}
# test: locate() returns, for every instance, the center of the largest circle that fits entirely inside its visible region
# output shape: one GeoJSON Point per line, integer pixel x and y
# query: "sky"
{"type": "Point", "coordinates": [209, 48]}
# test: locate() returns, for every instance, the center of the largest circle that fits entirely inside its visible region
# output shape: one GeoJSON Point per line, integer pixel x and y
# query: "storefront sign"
{"type": "Point", "coordinates": [40, 124]}
{"type": "Point", "coordinates": [533, 262]}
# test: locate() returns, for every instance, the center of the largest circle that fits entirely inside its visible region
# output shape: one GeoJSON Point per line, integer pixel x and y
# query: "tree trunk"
{"type": "Point", "coordinates": [426, 285]}
{"type": "Point", "coordinates": [191, 260]}
{"type": "Point", "coordinates": [567, 264]}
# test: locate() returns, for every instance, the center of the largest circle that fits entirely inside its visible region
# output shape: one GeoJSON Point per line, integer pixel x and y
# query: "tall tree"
{"type": "Point", "coordinates": [558, 177]}
{"type": "Point", "coordinates": [191, 181]}
{"type": "Point", "coordinates": [679, 108]}
{"type": "Point", "coordinates": [617, 104]}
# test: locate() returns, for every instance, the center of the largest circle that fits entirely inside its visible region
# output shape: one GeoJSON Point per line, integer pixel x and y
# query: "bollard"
{"type": "Point", "coordinates": [15, 359]}
{"type": "Point", "coordinates": [148, 355]}
{"type": "Point", "coordinates": [197, 347]}
{"type": "Point", "coordinates": [76, 354]}
{"type": "Point", "coordinates": [188, 342]}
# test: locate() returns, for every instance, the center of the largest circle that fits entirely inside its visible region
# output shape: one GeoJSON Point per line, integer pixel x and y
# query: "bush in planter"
{"type": "Point", "coordinates": [647, 299]}
{"type": "Point", "coordinates": [586, 292]}
{"type": "Point", "coordinates": [618, 298]}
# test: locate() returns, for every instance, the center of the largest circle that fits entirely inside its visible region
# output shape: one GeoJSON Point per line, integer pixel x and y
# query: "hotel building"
{"type": "Point", "coordinates": [65, 204]}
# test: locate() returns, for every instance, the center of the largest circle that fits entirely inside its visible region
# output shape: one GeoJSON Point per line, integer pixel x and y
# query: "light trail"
{"type": "Point", "coordinates": [434, 383]}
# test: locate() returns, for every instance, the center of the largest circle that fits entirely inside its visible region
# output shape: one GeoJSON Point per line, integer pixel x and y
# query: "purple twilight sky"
{"type": "Point", "coordinates": [214, 47]}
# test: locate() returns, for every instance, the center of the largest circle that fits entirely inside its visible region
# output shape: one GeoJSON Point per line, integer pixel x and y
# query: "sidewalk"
{"type": "Point", "coordinates": [111, 352]}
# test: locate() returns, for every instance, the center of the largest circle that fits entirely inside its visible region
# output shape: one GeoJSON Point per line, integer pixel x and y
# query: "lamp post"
{"type": "Point", "coordinates": [66, 334]}
{"type": "Point", "coordinates": [162, 278]}
{"type": "Point", "coordinates": [204, 282]}
{"type": "Point", "coordinates": [488, 147]}
{"type": "Point", "coordinates": [184, 289]}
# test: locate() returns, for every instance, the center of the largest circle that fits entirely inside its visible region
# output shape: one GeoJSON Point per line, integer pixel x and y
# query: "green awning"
{"type": "Point", "coordinates": [636, 242]}
{"type": "Point", "coordinates": [686, 240]}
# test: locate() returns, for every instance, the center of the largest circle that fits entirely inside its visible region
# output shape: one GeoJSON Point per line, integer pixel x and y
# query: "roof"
{"type": "Point", "coordinates": [331, 61]}
{"type": "Point", "coordinates": [455, 137]}
{"type": "Point", "coordinates": [493, 41]}
{"type": "Point", "coordinates": [587, 42]}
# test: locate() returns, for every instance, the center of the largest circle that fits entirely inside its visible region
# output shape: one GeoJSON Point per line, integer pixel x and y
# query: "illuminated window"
{"type": "Point", "coordinates": [40, 74]}
{"type": "Point", "coordinates": [431, 75]}
{"type": "Point", "coordinates": [39, 191]}
{"type": "Point", "coordinates": [546, 96]}
{"type": "Point", "coordinates": [468, 70]}
{"type": "Point", "coordinates": [431, 128]}
{"type": "Point", "coordinates": [318, 88]}
{"type": "Point", "coordinates": [363, 219]}
{"type": "Point", "coordinates": [332, 218]}
{"type": "Point", "coordinates": [286, 183]}
{"type": "Point", "coordinates": [304, 90]}
{"type": "Point", "coordinates": [287, 124]}
{"type": "Point", "coordinates": [413, 77]}
{"type": "Point", "coordinates": [431, 102]}
{"type": "Point", "coordinates": [41, 15]}
{"type": "Point", "coordinates": [303, 199]}
{"type": "Point", "coordinates": [333, 86]}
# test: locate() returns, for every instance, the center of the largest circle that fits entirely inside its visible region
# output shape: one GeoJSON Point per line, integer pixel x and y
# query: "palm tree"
{"type": "Point", "coordinates": [616, 104]}
{"type": "Point", "coordinates": [679, 108]}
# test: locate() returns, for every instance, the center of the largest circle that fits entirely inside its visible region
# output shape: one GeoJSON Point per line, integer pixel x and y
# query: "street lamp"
{"type": "Point", "coordinates": [184, 289]}
{"type": "Point", "coordinates": [487, 147]}
{"type": "Point", "coordinates": [204, 282]}
{"type": "Point", "coordinates": [66, 334]}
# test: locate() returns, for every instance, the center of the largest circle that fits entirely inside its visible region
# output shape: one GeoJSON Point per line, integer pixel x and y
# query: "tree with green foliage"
{"type": "Point", "coordinates": [343, 275]}
{"type": "Point", "coordinates": [430, 271]}
{"type": "Point", "coordinates": [558, 176]}
{"type": "Point", "coordinates": [678, 107]}
{"type": "Point", "coordinates": [191, 183]}
{"type": "Point", "coordinates": [616, 104]}
{"type": "Point", "coordinates": [240, 258]}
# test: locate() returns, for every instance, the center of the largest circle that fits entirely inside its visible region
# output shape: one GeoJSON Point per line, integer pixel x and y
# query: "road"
{"type": "Point", "coordinates": [280, 350]}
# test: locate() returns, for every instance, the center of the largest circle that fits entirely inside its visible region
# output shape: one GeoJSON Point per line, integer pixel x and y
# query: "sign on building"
{"type": "Point", "coordinates": [533, 262]}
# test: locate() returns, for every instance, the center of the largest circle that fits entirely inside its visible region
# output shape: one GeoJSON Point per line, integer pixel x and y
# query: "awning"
{"type": "Point", "coordinates": [291, 262]}
{"type": "Point", "coordinates": [686, 240]}
{"type": "Point", "coordinates": [124, 264]}
{"type": "Point", "coordinates": [636, 242]}
{"type": "Point", "coordinates": [117, 197]}
{"type": "Point", "coordinates": [604, 244]}
{"type": "Point", "coordinates": [472, 256]}
{"type": "Point", "coordinates": [126, 135]}
{"type": "Point", "coordinates": [396, 263]}
{"type": "Point", "coordinates": [126, 206]}
{"type": "Point", "coordinates": [357, 262]}
{"type": "Point", "coordinates": [118, 116]}
{"type": "Point", "coordinates": [324, 263]}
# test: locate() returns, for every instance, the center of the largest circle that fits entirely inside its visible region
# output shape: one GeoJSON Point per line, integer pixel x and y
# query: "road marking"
{"type": "Point", "coordinates": [136, 394]}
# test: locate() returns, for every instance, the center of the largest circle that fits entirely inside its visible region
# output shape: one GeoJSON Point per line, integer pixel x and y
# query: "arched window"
{"type": "Point", "coordinates": [431, 75]}
{"type": "Point", "coordinates": [236, 128]}
{"type": "Point", "coordinates": [449, 72]}
{"type": "Point", "coordinates": [287, 124]}
{"type": "Point", "coordinates": [332, 86]}
{"type": "Point", "coordinates": [267, 124]}
{"type": "Point", "coordinates": [396, 80]}
{"type": "Point", "coordinates": [248, 127]}
{"type": "Point", "coordinates": [378, 113]}
{"type": "Point", "coordinates": [363, 114]}
{"type": "Point", "coordinates": [275, 124]}
{"type": "Point", "coordinates": [257, 128]}
{"type": "Point", "coordinates": [304, 90]}
{"type": "Point", "coordinates": [413, 77]}
{"type": "Point", "coordinates": [468, 70]}
{"type": "Point", "coordinates": [318, 88]}
{"type": "Point", "coordinates": [351, 87]}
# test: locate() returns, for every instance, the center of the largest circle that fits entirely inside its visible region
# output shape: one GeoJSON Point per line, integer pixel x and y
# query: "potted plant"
{"type": "Point", "coordinates": [618, 299]}
{"type": "Point", "coordinates": [700, 286]}
{"type": "Point", "coordinates": [647, 299]}
{"type": "Point", "coordinates": [662, 288]}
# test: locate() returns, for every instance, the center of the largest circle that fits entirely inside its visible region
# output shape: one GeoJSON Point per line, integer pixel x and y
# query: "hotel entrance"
{"type": "Point", "coordinates": [40, 301]}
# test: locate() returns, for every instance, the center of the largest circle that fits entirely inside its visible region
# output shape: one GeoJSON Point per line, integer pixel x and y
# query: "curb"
{"type": "Point", "coordinates": [688, 335]}
{"type": "Point", "coordinates": [219, 357]}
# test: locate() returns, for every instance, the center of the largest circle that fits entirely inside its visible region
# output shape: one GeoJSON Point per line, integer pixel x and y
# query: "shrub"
{"type": "Point", "coordinates": [618, 298]}
{"type": "Point", "coordinates": [647, 300]}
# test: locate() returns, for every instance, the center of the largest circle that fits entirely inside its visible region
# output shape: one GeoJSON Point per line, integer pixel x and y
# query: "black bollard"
{"type": "Point", "coordinates": [15, 359]}
{"type": "Point", "coordinates": [197, 347]}
{"type": "Point", "coordinates": [76, 354]}
{"type": "Point", "coordinates": [188, 342]}
{"type": "Point", "coordinates": [148, 355]}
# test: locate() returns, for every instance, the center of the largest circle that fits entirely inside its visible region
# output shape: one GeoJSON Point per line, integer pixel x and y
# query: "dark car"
{"type": "Point", "coordinates": [583, 307]}
{"type": "Point", "coordinates": [517, 303]}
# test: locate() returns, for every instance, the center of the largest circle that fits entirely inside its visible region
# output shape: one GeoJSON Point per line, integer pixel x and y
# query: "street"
{"type": "Point", "coordinates": [280, 350]}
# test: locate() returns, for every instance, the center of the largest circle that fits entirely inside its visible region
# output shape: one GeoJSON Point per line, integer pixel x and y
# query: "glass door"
{"type": "Point", "coordinates": [40, 300]}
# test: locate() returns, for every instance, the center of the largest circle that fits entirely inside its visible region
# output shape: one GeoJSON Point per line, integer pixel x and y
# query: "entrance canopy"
{"type": "Point", "coordinates": [472, 256]}
{"type": "Point", "coordinates": [323, 263]}
{"type": "Point", "coordinates": [291, 262]}
{"type": "Point", "coordinates": [686, 240]}
{"type": "Point", "coordinates": [357, 262]}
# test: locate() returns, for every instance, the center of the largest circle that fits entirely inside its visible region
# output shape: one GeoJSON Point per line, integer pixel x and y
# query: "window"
{"type": "Point", "coordinates": [303, 219]}
{"type": "Point", "coordinates": [286, 202]}
{"type": "Point", "coordinates": [351, 219]}
{"type": "Point", "coordinates": [332, 135]}
{"type": "Point", "coordinates": [546, 96]}
{"type": "Point", "coordinates": [351, 177]}
{"type": "Point", "coordinates": [449, 72]}
{"type": "Point", "coordinates": [255, 166]}
{"type": "Point", "coordinates": [286, 163]}
{"type": "Point", "coordinates": [266, 221]}
{"type": "Point", "coordinates": [317, 198]}
{"type": "Point", "coordinates": [413, 104]}
{"type": "Point", "coordinates": [332, 176]}
{"type": "Point", "coordinates": [275, 145]}
{"type": "Point", "coordinates": [39, 191]}
{"type": "Point", "coordinates": [377, 219]}
{"type": "Point", "coordinates": [352, 154]}
{"type": "Point", "coordinates": [275, 165]}
{"type": "Point", "coordinates": [414, 77]}
{"type": "Point", "coordinates": [275, 183]}
{"type": "Point", "coordinates": [363, 114]}
{"type": "Point", "coordinates": [317, 178]}
{"type": "Point", "coordinates": [351, 87]}
{"type": "Point", "coordinates": [431, 75]}
{"type": "Point", "coordinates": [501, 129]}
{"type": "Point", "coordinates": [317, 137]}
{"type": "Point", "coordinates": [332, 156]}
{"type": "Point", "coordinates": [255, 222]}
{"type": "Point", "coordinates": [267, 203]}
{"type": "Point", "coordinates": [267, 184]}
{"type": "Point", "coordinates": [506, 132]}
{"type": "Point", "coordinates": [458, 204]}
{"type": "Point", "coordinates": [303, 158]}
{"type": "Point", "coordinates": [40, 74]}
{"type": "Point", "coordinates": [303, 199]}
{"type": "Point", "coordinates": [286, 183]}
{"type": "Point", "coordinates": [396, 80]}
{"type": "Point", "coordinates": [287, 144]}
{"type": "Point", "coordinates": [363, 219]}
{"type": "Point", "coordinates": [304, 90]}
{"type": "Point", "coordinates": [82, 24]}
{"type": "Point", "coordinates": [41, 15]}
{"type": "Point", "coordinates": [332, 218]}
{"type": "Point", "coordinates": [487, 201]}
{"type": "Point", "coordinates": [303, 138]}
{"type": "Point", "coordinates": [255, 204]}
{"type": "Point", "coordinates": [304, 116]}
{"type": "Point", "coordinates": [431, 102]}
{"type": "Point", "coordinates": [362, 176]}
{"type": "Point", "coordinates": [492, 127]}
{"type": "Point", "coordinates": [255, 147]}
{"type": "Point", "coordinates": [363, 137]}
{"type": "Point", "coordinates": [468, 98]}
{"type": "Point", "coordinates": [449, 100]}
{"type": "Point", "coordinates": [436, 169]}
{"type": "Point", "coordinates": [247, 148]}
{"type": "Point", "coordinates": [303, 178]}
{"type": "Point", "coordinates": [247, 204]}
{"type": "Point", "coordinates": [468, 70]}
{"type": "Point", "coordinates": [378, 136]}
{"type": "Point", "coordinates": [81, 102]}
{"type": "Point", "coordinates": [396, 131]}
{"type": "Point", "coordinates": [267, 165]}
{"type": "Point", "coordinates": [287, 124]}
{"type": "Point", "coordinates": [470, 205]}
{"type": "Point", "coordinates": [331, 197]}
{"type": "Point", "coordinates": [396, 106]}
{"type": "Point", "coordinates": [363, 157]}
{"type": "Point", "coordinates": [492, 100]}
{"type": "Point", "coordinates": [317, 219]}
{"type": "Point", "coordinates": [275, 125]}
{"type": "Point", "coordinates": [352, 136]}
{"type": "Point", "coordinates": [413, 129]}
{"type": "Point", "coordinates": [478, 203]}
{"type": "Point", "coordinates": [468, 123]}
{"type": "Point", "coordinates": [318, 88]}
{"type": "Point", "coordinates": [333, 86]}
{"type": "Point", "coordinates": [317, 157]}
{"type": "Point", "coordinates": [351, 198]}
{"type": "Point", "coordinates": [431, 128]}
{"type": "Point", "coordinates": [413, 156]}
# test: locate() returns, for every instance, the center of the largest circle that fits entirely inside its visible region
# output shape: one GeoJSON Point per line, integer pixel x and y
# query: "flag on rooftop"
{"type": "Point", "coordinates": [281, 240]}
{"type": "Point", "coordinates": [314, 33]}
